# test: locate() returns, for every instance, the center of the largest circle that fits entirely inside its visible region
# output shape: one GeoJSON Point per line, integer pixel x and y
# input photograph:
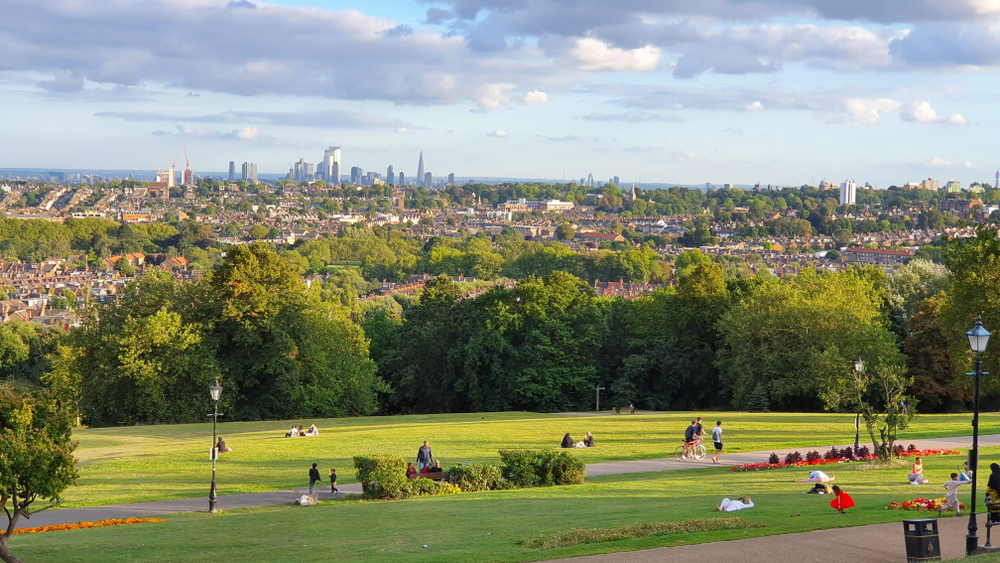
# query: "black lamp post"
{"type": "Point", "coordinates": [858, 366]}
{"type": "Point", "coordinates": [978, 338]}
{"type": "Point", "coordinates": [216, 391]}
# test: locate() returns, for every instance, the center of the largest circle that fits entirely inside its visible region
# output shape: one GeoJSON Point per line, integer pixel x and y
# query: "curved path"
{"type": "Point", "coordinates": [229, 502]}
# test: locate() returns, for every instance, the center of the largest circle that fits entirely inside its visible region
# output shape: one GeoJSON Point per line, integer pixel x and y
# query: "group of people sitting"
{"type": "Point", "coordinates": [567, 442]}
{"type": "Point", "coordinates": [298, 431]}
{"type": "Point", "coordinates": [434, 467]}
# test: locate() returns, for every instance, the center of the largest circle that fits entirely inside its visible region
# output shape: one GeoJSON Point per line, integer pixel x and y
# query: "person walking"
{"type": "Point", "coordinates": [951, 497]}
{"type": "Point", "coordinates": [313, 478]}
{"type": "Point", "coordinates": [717, 439]}
{"type": "Point", "coordinates": [333, 481]}
{"type": "Point", "coordinates": [424, 456]}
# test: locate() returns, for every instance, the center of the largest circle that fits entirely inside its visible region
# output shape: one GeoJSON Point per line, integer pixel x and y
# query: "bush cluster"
{"type": "Point", "coordinates": [545, 468]}
{"type": "Point", "coordinates": [793, 458]}
{"type": "Point", "coordinates": [476, 477]}
{"type": "Point", "coordinates": [422, 486]}
{"type": "Point", "coordinates": [381, 476]}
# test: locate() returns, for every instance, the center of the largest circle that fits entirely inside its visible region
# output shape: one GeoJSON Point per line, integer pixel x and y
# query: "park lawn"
{"type": "Point", "coordinates": [145, 463]}
{"type": "Point", "coordinates": [484, 527]}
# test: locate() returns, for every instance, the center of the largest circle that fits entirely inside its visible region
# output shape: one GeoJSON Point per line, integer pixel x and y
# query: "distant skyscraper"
{"type": "Point", "coordinates": [428, 180]}
{"type": "Point", "coordinates": [357, 175]}
{"type": "Point", "coordinates": [848, 193]}
{"type": "Point", "coordinates": [420, 167]}
{"type": "Point", "coordinates": [451, 179]}
{"type": "Point", "coordinates": [617, 181]}
{"type": "Point", "coordinates": [590, 180]}
{"type": "Point", "coordinates": [330, 167]}
{"type": "Point", "coordinates": [166, 175]}
{"type": "Point", "coordinates": [232, 171]}
{"type": "Point", "coordinates": [390, 178]}
{"type": "Point", "coordinates": [300, 170]}
{"type": "Point", "coordinates": [402, 179]}
{"type": "Point", "coordinates": [249, 172]}
{"type": "Point", "coordinates": [997, 187]}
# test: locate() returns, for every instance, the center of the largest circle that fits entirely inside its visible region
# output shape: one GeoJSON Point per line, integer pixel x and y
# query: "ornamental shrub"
{"type": "Point", "coordinates": [793, 457]}
{"type": "Point", "coordinates": [421, 486]}
{"type": "Point", "coordinates": [833, 454]}
{"type": "Point", "coordinates": [847, 453]}
{"type": "Point", "coordinates": [862, 452]}
{"type": "Point", "coordinates": [813, 456]}
{"type": "Point", "coordinates": [774, 458]}
{"type": "Point", "coordinates": [476, 477]}
{"type": "Point", "coordinates": [898, 450]}
{"type": "Point", "coordinates": [911, 448]}
{"type": "Point", "coordinates": [524, 468]}
{"type": "Point", "coordinates": [382, 477]}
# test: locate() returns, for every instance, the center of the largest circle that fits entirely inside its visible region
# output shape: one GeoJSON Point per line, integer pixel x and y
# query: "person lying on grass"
{"type": "Point", "coordinates": [817, 477]}
{"type": "Point", "coordinates": [820, 489]}
{"type": "Point", "coordinates": [841, 501]}
{"type": "Point", "coordinates": [733, 505]}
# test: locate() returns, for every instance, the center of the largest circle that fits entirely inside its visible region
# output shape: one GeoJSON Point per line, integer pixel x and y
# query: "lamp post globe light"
{"type": "Point", "coordinates": [858, 367]}
{"type": "Point", "coordinates": [215, 390]}
{"type": "Point", "coordinates": [979, 337]}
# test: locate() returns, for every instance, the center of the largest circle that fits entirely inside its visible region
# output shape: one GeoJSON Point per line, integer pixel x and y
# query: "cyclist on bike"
{"type": "Point", "coordinates": [699, 431]}
{"type": "Point", "coordinates": [689, 440]}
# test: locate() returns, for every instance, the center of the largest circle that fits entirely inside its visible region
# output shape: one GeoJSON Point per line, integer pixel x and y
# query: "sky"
{"type": "Point", "coordinates": [784, 92]}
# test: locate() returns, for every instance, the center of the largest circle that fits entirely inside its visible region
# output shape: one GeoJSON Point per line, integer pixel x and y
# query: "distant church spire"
{"type": "Point", "coordinates": [420, 168]}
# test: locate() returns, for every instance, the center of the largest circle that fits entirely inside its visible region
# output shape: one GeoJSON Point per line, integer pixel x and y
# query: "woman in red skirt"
{"type": "Point", "coordinates": [841, 500]}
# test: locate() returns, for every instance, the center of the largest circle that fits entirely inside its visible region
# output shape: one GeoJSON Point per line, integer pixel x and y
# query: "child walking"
{"type": "Point", "coordinates": [951, 497]}
{"type": "Point", "coordinates": [333, 481]}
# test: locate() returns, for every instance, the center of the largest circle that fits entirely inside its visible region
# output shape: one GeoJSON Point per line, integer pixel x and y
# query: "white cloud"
{"type": "Point", "coordinates": [497, 133]}
{"type": "Point", "coordinates": [755, 106]}
{"type": "Point", "coordinates": [940, 163]}
{"type": "Point", "coordinates": [402, 130]}
{"type": "Point", "coordinates": [970, 164]}
{"type": "Point", "coordinates": [535, 97]}
{"type": "Point", "coordinates": [922, 112]}
{"type": "Point", "coordinates": [595, 55]}
{"type": "Point", "coordinates": [633, 117]}
{"type": "Point", "coordinates": [490, 96]}
{"type": "Point", "coordinates": [866, 111]}
{"type": "Point", "coordinates": [247, 133]}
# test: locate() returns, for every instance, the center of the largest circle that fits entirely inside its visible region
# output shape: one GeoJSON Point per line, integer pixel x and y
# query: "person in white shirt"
{"type": "Point", "coordinates": [817, 477]}
{"type": "Point", "coordinates": [293, 433]}
{"type": "Point", "coordinates": [951, 497]}
{"type": "Point", "coordinates": [733, 505]}
{"type": "Point", "coordinates": [313, 431]}
{"type": "Point", "coordinates": [717, 439]}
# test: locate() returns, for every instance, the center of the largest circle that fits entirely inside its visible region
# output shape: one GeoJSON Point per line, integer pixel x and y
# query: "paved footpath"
{"type": "Point", "coordinates": [247, 500]}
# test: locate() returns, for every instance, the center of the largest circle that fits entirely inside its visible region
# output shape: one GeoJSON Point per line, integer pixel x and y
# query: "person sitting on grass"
{"type": "Point", "coordinates": [963, 472]}
{"type": "Point", "coordinates": [733, 505]}
{"type": "Point", "coordinates": [841, 501]}
{"type": "Point", "coordinates": [951, 497]}
{"type": "Point", "coordinates": [917, 473]}
{"type": "Point", "coordinates": [817, 477]}
{"type": "Point", "coordinates": [313, 431]}
{"type": "Point", "coordinates": [567, 441]}
{"type": "Point", "coordinates": [221, 446]}
{"type": "Point", "coordinates": [293, 433]}
{"type": "Point", "coordinates": [589, 440]}
{"type": "Point", "coordinates": [302, 431]}
{"type": "Point", "coordinates": [410, 470]}
{"type": "Point", "coordinates": [820, 489]}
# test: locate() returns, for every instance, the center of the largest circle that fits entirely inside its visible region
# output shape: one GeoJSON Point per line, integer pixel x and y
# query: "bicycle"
{"type": "Point", "coordinates": [695, 450]}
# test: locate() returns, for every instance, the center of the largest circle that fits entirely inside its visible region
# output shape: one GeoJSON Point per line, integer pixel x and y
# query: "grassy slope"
{"type": "Point", "coordinates": [483, 527]}
{"type": "Point", "coordinates": [171, 461]}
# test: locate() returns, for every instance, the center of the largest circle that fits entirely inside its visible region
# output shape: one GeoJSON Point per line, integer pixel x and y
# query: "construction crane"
{"type": "Point", "coordinates": [188, 176]}
{"type": "Point", "coordinates": [173, 165]}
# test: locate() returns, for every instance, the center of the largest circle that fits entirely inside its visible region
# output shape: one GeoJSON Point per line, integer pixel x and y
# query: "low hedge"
{"type": "Point", "coordinates": [545, 468]}
{"type": "Point", "coordinates": [476, 477]}
{"type": "Point", "coordinates": [419, 487]}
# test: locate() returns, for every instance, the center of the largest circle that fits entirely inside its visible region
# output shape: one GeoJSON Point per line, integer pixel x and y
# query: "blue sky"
{"type": "Point", "coordinates": [781, 92]}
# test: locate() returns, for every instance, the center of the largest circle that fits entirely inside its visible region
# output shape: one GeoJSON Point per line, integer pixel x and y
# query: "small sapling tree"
{"type": "Point", "coordinates": [36, 455]}
{"type": "Point", "coordinates": [879, 395]}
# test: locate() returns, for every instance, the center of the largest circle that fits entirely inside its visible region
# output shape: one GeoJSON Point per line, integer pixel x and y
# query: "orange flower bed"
{"type": "Point", "coordinates": [82, 525]}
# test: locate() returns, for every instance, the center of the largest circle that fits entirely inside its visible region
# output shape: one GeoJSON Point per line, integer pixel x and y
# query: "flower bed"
{"type": "Point", "coordinates": [835, 456]}
{"type": "Point", "coordinates": [921, 504]}
{"type": "Point", "coordinates": [82, 525]}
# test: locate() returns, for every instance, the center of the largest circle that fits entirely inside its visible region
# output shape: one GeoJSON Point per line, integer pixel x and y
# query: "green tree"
{"type": "Point", "coordinates": [36, 455]}
{"type": "Point", "coordinates": [878, 393]}
{"type": "Point", "coordinates": [565, 231]}
{"type": "Point", "coordinates": [936, 383]}
{"type": "Point", "coordinates": [258, 232]}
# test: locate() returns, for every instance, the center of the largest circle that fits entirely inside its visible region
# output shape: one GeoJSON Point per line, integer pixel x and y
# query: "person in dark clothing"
{"type": "Point", "coordinates": [589, 440]}
{"type": "Point", "coordinates": [993, 489]}
{"type": "Point", "coordinates": [313, 478]}
{"type": "Point", "coordinates": [567, 441]}
{"type": "Point", "coordinates": [333, 481]}
{"type": "Point", "coordinates": [424, 457]}
{"type": "Point", "coordinates": [221, 446]}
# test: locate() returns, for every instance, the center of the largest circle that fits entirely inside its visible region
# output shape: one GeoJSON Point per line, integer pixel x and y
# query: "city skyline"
{"type": "Point", "coordinates": [787, 93]}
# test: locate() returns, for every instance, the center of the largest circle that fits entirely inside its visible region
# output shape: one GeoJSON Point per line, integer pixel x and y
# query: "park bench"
{"type": "Point", "coordinates": [618, 410]}
{"type": "Point", "coordinates": [436, 476]}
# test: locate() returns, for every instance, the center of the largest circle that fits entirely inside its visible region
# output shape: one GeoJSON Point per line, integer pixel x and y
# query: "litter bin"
{"type": "Point", "coordinates": [921, 540]}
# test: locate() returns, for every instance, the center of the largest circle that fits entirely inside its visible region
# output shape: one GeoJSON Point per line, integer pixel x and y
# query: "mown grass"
{"type": "Point", "coordinates": [485, 527]}
{"type": "Point", "coordinates": [145, 463]}
{"type": "Point", "coordinates": [637, 531]}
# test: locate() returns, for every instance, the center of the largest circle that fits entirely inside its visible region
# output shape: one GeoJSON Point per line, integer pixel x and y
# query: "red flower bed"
{"type": "Point", "coordinates": [82, 525]}
{"type": "Point", "coordinates": [814, 460]}
{"type": "Point", "coordinates": [921, 504]}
